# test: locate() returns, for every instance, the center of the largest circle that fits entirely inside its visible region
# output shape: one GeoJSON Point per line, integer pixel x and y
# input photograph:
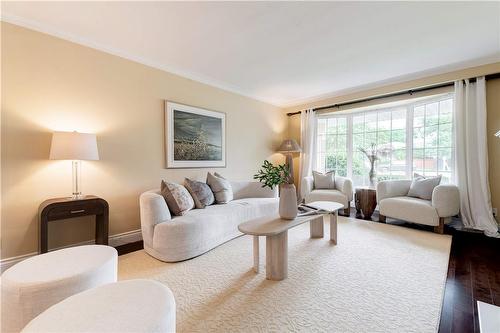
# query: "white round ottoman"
{"type": "Point", "coordinates": [35, 284]}
{"type": "Point", "coordinates": [126, 306]}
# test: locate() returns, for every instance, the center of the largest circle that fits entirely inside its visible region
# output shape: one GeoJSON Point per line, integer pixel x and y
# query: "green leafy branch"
{"type": "Point", "coordinates": [271, 176]}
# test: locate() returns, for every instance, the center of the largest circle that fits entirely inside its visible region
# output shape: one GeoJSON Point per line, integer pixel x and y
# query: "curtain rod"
{"type": "Point", "coordinates": [400, 93]}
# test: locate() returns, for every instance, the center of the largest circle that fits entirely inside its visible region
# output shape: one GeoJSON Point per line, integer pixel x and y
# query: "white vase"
{"type": "Point", "coordinates": [288, 201]}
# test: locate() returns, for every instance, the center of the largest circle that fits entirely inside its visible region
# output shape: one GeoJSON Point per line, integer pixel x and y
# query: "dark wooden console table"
{"type": "Point", "coordinates": [65, 208]}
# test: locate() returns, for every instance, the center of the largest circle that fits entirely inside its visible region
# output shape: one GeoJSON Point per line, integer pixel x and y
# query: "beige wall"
{"type": "Point", "coordinates": [493, 106]}
{"type": "Point", "coordinates": [50, 84]}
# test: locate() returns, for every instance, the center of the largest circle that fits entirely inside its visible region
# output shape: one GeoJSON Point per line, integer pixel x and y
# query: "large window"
{"type": "Point", "coordinates": [413, 137]}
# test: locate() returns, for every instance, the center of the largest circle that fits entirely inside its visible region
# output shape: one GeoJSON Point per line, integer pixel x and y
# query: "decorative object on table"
{"type": "Point", "coordinates": [287, 148]}
{"type": "Point", "coordinates": [365, 201]}
{"type": "Point", "coordinates": [74, 146]}
{"type": "Point", "coordinates": [324, 181]}
{"type": "Point", "coordinates": [65, 208]}
{"type": "Point", "coordinates": [279, 175]}
{"type": "Point", "coordinates": [372, 155]}
{"type": "Point", "coordinates": [35, 284]}
{"type": "Point", "coordinates": [194, 137]}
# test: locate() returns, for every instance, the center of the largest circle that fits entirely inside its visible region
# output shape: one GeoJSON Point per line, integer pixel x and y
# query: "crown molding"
{"type": "Point", "coordinates": [397, 80]}
{"type": "Point", "coordinates": [46, 29]}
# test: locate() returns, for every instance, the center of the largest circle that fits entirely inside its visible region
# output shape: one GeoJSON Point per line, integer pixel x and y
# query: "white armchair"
{"type": "Point", "coordinates": [393, 202]}
{"type": "Point", "coordinates": [341, 194]}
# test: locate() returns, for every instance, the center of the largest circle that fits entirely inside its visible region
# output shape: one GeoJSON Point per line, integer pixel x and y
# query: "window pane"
{"type": "Point", "coordinates": [358, 163]}
{"type": "Point", "coordinates": [384, 120]}
{"type": "Point", "coordinates": [418, 160]}
{"type": "Point", "coordinates": [320, 147]}
{"type": "Point", "coordinates": [445, 177]}
{"type": "Point", "coordinates": [445, 160]}
{"type": "Point", "coordinates": [358, 124]}
{"type": "Point", "coordinates": [331, 126]}
{"type": "Point", "coordinates": [430, 165]}
{"type": "Point", "coordinates": [418, 116]}
{"type": "Point", "coordinates": [341, 167]}
{"type": "Point", "coordinates": [357, 141]}
{"type": "Point", "coordinates": [445, 111]}
{"type": "Point", "coordinates": [321, 126]}
{"type": "Point", "coordinates": [342, 142]}
{"type": "Point", "coordinates": [384, 140]}
{"type": "Point", "coordinates": [431, 114]}
{"type": "Point", "coordinates": [371, 121]}
{"type": "Point", "coordinates": [431, 136]}
{"type": "Point", "coordinates": [398, 162]}
{"type": "Point", "coordinates": [399, 119]}
{"type": "Point", "coordinates": [398, 139]}
{"type": "Point", "coordinates": [320, 162]}
{"type": "Point", "coordinates": [331, 142]}
{"type": "Point", "coordinates": [445, 135]}
{"type": "Point", "coordinates": [370, 138]}
{"type": "Point", "coordinates": [330, 162]}
{"type": "Point", "coordinates": [418, 137]}
{"type": "Point", "coordinates": [342, 125]}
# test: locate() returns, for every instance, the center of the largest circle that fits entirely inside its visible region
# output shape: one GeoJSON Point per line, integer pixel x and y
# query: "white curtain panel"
{"type": "Point", "coordinates": [471, 154]}
{"type": "Point", "coordinates": [307, 139]}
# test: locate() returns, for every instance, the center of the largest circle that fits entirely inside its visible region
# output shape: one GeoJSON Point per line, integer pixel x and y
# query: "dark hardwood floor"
{"type": "Point", "coordinates": [473, 274]}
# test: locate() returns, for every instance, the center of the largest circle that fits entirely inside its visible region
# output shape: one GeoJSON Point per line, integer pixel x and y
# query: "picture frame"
{"type": "Point", "coordinates": [194, 137]}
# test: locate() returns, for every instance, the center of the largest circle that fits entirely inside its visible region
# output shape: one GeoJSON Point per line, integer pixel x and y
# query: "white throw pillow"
{"type": "Point", "coordinates": [422, 187]}
{"type": "Point", "coordinates": [221, 187]}
{"type": "Point", "coordinates": [324, 181]}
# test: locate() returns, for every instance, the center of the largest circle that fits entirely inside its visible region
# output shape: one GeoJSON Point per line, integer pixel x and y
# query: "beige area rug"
{"type": "Point", "coordinates": [379, 278]}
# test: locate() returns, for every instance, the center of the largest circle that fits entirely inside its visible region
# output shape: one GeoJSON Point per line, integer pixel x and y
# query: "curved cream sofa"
{"type": "Point", "coordinates": [175, 238]}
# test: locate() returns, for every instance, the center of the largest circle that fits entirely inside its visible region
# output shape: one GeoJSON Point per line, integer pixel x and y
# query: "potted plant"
{"type": "Point", "coordinates": [279, 175]}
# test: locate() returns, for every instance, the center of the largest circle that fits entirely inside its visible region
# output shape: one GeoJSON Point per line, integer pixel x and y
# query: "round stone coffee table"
{"type": "Point", "coordinates": [33, 285]}
{"type": "Point", "coordinates": [127, 306]}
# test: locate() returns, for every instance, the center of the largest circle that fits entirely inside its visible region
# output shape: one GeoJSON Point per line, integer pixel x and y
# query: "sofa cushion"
{"type": "Point", "coordinates": [422, 187]}
{"type": "Point", "coordinates": [410, 209]}
{"type": "Point", "coordinates": [200, 230]}
{"type": "Point", "coordinates": [221, 188]}
{"type": "Point", "coordinates": [178, 199]}
{"type": "Point", "coordinates": [324, 181]}
{"type": "Point", "coordinates": [327, 195]}
{"type": "Point", "coordinates": [201, 193]}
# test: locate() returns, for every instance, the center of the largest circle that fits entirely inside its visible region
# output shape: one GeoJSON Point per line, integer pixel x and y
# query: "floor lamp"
{"type": "Point", "coordinates": [287, 148]}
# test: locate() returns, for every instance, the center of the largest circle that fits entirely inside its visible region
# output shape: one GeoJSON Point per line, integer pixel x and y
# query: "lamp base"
{"type": "Point", "coordinates": [78, 196]}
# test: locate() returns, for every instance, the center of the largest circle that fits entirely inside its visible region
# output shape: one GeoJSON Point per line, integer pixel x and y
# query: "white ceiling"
{"type": "Point", "coordinates": [284, 53]}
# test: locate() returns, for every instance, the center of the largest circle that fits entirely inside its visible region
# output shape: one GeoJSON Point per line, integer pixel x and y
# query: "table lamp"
{"type": "Point", "coordinates": [76, 147]}
{"type": "Point", "coordinates": [287, 148]}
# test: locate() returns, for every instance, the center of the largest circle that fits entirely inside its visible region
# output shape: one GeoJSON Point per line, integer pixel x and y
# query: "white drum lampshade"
{"type": "Point", "coordinates": [76, 147]}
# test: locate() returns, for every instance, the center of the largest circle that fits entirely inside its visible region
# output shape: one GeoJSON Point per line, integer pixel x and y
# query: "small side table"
{"type": "Point", "coordinates": [366, 201]}
{"type": "Point", "coordinates": [64, 208]}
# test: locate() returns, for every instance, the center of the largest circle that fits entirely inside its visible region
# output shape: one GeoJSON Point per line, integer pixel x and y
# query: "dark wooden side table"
{"type": "Point", "coordinates": [64, 208]}
{"type": "Point", "coordinates": [366, 201]}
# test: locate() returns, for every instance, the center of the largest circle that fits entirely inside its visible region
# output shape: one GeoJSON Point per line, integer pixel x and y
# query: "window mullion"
{"type": "Point", "coordinates": [409, 141]}
{"type": "Point", "coordinates": [349, 146]}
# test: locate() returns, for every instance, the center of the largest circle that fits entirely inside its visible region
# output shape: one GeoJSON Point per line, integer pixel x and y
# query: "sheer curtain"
{"type": "Point", "coordinates": [307, 138]}
{"type": "Point", "coordinates": [472, 156]}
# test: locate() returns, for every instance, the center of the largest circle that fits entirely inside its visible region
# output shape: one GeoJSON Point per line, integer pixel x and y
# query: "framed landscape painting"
{"type": "Point", "coordinates": [194, 137]}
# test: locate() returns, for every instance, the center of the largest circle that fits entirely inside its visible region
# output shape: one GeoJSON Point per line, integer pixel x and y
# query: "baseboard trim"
{"type": "Point", "coordinates": [114, 241]}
